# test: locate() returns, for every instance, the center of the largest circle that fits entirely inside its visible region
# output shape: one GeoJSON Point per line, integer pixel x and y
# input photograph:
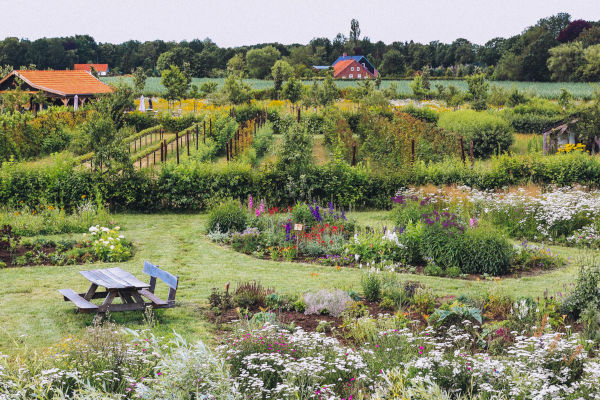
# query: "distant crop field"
{"type": "Point", "coordinates": [543, 89]}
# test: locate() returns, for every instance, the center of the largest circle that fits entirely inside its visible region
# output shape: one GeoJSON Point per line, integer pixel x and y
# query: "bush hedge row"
{"type": "Point", "coordinates": [194, 185]}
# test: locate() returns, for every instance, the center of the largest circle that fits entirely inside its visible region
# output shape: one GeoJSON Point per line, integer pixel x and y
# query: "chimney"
{"type": "Point", "coordinates": [345, 55]}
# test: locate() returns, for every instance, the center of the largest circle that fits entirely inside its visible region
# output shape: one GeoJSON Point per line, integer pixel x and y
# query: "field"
{"type": "Point", "coordinates": [543, 89]}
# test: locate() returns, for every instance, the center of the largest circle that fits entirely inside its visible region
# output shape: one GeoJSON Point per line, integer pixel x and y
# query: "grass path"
{"type": "Point", "coordinates": [33, 315]}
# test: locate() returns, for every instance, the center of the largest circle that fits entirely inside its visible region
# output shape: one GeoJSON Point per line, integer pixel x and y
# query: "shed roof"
{"type": "Point", "coordinates": [88, 67]}
{"type": "Point", "coordinates": [62, 83]}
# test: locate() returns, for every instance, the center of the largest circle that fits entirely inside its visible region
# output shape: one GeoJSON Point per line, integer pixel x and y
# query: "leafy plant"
{"type": "Point", "coordinates": [228, 216]}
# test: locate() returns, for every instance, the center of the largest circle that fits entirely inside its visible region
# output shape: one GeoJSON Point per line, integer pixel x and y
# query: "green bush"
{"type": "Point", "coordinates": [485, 251]}
{"type": "Point", "coordinates": [371, 286]}
{"type": "Point", "coordinates": [490, 133]}
{"type": "Point", "coordinates": [586, 292]}
{"type": "Point", "coordinates": [228, 216]}
{"type": "Point", "coordinates": [423, 113]}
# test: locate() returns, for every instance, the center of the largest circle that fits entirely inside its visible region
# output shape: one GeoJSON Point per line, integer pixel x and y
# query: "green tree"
{"type": "Point", "coordinates": [236, 90]}
{"type": "Point", "coordinates": [296, 150]}
{"type": "Point", "coordinates": [565, 61]}
{"type": "Point", "coordinates": [417, 87]}
{"type": "Point", "coordinates": [354, 31]}
{"type": "Point", "coordinates": [139, 80]}
{"type": "Point", "coordinates": [236, 65]}
{"type": "Point", "coordinates": [292, 90]}
{"type": "Point", "coordinates": [260, 61]}
{"type": "Point", "coordinates": [175, 82]}
{"type": "Point", "coordinates": [393, 63]}
{"type": "Point", "coordinates": [208, 87]}
{"type": "Point", "coordinates": [281, 71]}
{"type": "Point", "coordinates": [591, 69]}
{"type": "Point", "coordinates": [329, 91]}
{"type": "Point", "coordinates": [478, 91]}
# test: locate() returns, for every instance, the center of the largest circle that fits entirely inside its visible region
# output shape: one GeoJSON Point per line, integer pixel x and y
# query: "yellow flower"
{"type": "Point", "coordinates": [83, 196]}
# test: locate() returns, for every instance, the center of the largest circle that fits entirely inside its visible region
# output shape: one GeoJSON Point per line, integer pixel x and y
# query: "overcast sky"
{"type": "Point", "coordinates": [242, 22]}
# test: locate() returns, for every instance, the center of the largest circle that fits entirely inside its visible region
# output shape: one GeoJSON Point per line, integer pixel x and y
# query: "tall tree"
{"type": "Point", "coordinates": [354, 31]}
{"type": "Point", "coordinates": [175, 82]}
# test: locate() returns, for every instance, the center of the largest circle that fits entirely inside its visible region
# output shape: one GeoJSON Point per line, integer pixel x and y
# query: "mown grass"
{"type": "Point", "coordinates": [33, 315]}
{"type": "Point", "coordinates": [544, 89]}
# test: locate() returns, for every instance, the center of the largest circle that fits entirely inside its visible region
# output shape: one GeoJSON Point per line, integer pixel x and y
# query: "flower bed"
{"type": "Point", "coordinates": [427, 237]}
{"type": "Point", "coordinates": [102, 244]}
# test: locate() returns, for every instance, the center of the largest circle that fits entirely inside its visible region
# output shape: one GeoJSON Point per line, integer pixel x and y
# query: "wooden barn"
{"type": "Point", "coordinates": [59, 87]}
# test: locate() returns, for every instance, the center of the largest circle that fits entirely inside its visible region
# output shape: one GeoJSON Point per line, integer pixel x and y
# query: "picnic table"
{"type": "Point", "coordinates": [122, 284]}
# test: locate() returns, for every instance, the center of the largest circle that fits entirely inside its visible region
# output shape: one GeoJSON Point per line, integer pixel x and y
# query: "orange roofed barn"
{"type": "Point", "coordinates": [101, 69]}
{"type": "Point", "coordinates": [58, 86]}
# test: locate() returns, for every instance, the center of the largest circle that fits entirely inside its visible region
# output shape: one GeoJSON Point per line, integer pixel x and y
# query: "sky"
{"type": "Point", "coordinates": [232, 23]}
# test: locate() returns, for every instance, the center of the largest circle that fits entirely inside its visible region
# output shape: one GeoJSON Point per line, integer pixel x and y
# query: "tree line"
{"type": "Point", "coordinates": [555, 48]}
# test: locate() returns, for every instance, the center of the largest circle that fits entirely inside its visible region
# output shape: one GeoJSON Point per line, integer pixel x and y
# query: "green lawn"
{"type": "Point", "coordinates": [33, 315]}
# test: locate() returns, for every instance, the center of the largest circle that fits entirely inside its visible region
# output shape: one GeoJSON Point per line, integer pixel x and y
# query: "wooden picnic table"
{"type": "Point", "coordinates": [118, 283]}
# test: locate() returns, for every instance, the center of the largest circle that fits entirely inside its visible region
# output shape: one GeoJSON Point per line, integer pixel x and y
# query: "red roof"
{"type": "Point", "coordinates": [340, 66]}
{"type": "Point", "coordinates": [88, 67]}
{"type": "Point", "coordinates": [63, 83]}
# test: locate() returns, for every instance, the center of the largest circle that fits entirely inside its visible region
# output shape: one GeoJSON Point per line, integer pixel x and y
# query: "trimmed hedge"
{"type": "Point", "coordinates": [193, 185]}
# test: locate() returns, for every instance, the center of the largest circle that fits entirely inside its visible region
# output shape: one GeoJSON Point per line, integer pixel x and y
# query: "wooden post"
{"type": "Point", "coordinates": [140, 162]}
{"type": "Point", "coordinates": [204, 132]}
{"type": "Point", "coordinates": [298, 117]}
{"type": "Point", "coordinates": [462, 150]}
{"type": "Point", "coordinates": [187, 141]}
{"type": "Point", "coordinates": [197, 136]}
{"type": "Point", "coordinates": [412, 151]}
{"type": "Point", "coordinates": [147, 160]}
{"type": "Point", "coordinates": [354, 154]}
{"type": "Point", "coordinates": [134, 146]}
{"type": "Point", "coordinates": [177, 145]}
{"type": "Point", "coordinates": [471, 154]}
{"type": "Point", "coordinates": [210, 128]}
{"type": "Point", "coordinates": [162, 154]}
{"type": "Point", "coordinates": [227, 150]}
{"type": "Point", "coordinates": [166, 149]}
{"type": "Point", "coordinates": [154, 157]}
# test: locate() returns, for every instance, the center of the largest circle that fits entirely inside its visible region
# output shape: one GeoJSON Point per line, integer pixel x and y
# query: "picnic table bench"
{"type": "Point", "coordinates": [120, 283]}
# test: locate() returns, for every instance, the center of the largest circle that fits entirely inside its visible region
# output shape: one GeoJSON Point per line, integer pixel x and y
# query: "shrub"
{"type": "Point", "coordinates": [423, 113]}
{"type": "Point", "coordinates": [586, 292]}
{"type": "Point", "coordinates": [371, 286]}
{"type": "Point", "coordinates": [228, 216]}
{"type": "Point", "coordinates": [327, 302]}
{"type": "Point", "coordinates": [250, 295]}
{"type": "Point", "coordinates": [485, 251]}
{"type": "Point", "coordinates": [490, 133]}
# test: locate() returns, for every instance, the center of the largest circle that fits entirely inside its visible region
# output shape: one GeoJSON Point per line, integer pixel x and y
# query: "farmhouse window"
{"type": "Point", "coordinates": [359, 76]}
{"type": "Point", "coordinates": [358, 68]}
{"type": "Point", "coordinates": [351, 68]}
{"type": "Point", "coordinates": [351, 76]}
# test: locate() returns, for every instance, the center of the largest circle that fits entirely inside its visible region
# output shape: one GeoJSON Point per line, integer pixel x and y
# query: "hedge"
{"type": "Point", "coordinates": [192, 186]}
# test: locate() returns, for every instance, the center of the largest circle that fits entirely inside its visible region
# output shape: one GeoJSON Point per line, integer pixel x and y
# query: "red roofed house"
{"type": "Point", "coordinates": [353, 67]}
{"type": "Point", "coordinates": [102, 69]}
{"type": "Point", "coordinates": [60, 87]}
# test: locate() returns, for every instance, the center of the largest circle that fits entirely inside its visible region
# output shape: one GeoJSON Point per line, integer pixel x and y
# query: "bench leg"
{"type": "Point", "coordinates": [107, 302]}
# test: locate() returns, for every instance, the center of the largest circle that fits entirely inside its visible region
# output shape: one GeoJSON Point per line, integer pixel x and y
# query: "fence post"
{"type": "Point", "coordinates": [177, 145]}
{"type": "Point", "coordinates": [354, 154]}
{"type": "Point", "coordinates": [187, 141]}
{"type": "Point", "coordinates": [462, 150]}
{"type": "Point", "coordinates": [298, 117]}
{"type": "Point", "coordinates": [471, 154]}
{"type": "Point", "coordinates": [412, 151]}
{"type": "Point", "coordinates": [197, 136]}
{"type": "Point", "coordinates": [210, 128]}
{"type": "Point", "coordinates": [204, 132]}
{"type": "Point", "coordinates": [227, 150]}
{"type": "Point", "coordinates": [166, 149]}
{"type": "Point", "coordinates": [154, 157]}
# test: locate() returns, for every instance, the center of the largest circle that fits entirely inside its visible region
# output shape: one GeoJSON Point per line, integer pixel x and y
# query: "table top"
{"type": "Point", "coordinates": [114, 278]}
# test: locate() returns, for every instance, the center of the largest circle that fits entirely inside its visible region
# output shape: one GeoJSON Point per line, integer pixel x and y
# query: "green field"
{"type": "Point", "coordinates": [33, 315]}
{"type": "Point", "coordinates": [543, 89]}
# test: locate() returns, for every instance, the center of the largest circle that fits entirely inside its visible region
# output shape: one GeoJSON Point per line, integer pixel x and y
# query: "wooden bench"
{"type": "Point", "coordinates": [171, 280]}
{"type": "Point", "coordinates": [82, 304]}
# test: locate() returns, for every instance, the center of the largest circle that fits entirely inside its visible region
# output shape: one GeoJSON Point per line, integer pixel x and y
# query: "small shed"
{"type": "Point", "coordinates": [559, 136]}
{"type": "Point", "coordinates": [59, 87]}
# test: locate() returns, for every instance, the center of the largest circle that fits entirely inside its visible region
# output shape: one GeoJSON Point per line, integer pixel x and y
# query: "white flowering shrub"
{"type": "Point", "coordinates": [331, 302]}
{"type": "Point", "coordinates": [270, 363]}
{"type": "Point", "coordinates": [108, 244]}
